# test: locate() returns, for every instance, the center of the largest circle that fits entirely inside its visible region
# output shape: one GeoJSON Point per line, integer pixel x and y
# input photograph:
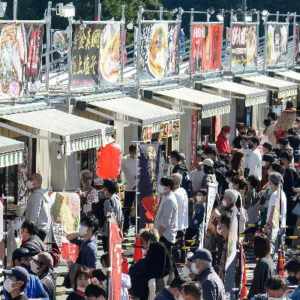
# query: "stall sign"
{"type": "Point", "coordinates": [206, 47]}
{"type": "Point", "coordinates": [194, 121]}
{"type": "Point", "coordinates": [164, 130]}
{"type": "Point", "coordinates": [175, 130]}
{"type": "Point", "coordinates": [147, 133]}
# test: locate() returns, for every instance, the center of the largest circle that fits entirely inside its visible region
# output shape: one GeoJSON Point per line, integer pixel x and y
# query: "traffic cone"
{"type": "Point", "coordinates": [244, 281]}
{"type": "Point", "coordinates": [125, 268]}
{"type": "Point", "coordinates": [280, 263]}
{"type": "Point", "coordinates": [138, 250]}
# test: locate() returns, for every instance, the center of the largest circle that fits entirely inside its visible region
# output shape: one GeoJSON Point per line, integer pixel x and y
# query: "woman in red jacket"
{"type": "Point", "coordinates": [223, 140]}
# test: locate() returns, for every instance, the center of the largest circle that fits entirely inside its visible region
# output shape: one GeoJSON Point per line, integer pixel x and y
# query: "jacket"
{"type": "Point", "coordinates": [164, 295]}
{"type": "Point", "coordinates": [222, 144]}
{"type": "Point", "coordinates": [34, 244]}
{"type": "Point", "coordinates": [87, 252]}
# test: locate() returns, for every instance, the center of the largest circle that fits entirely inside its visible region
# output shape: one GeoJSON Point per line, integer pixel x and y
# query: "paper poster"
{"type": "Point", "coordinates": [170, 128]}
{"type": "Point", "coordinates": [211, 197]}
{"type": "Point", "coordinates": [277, 44]}
{"type": "Point", "coordinates": [147, 133]}
{"type": "Point", "coordinates": [164, 130]}
{"type": "Point", "coordinates": [206, 47]}
{"type": "Point", "coordinates": [176, 130]}
{"type": "Point", "coordinates": [156, 128]}
{"type": "Point", "coordinates": [96, 55]}
{"type": "Point", "coordinates": [244, 45]}
{"type": "Point", "coordinates": [232, 240]}
{"type": "Point", "coordinates": [159, 50]}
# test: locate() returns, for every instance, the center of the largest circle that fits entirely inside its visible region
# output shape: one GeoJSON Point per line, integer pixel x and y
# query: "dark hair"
{"type": "Point", "coordinates": [175, 154]}
{"type": "Point", "coordinates": [276, 283]}
{"type": "Point", "coordinates": [252, 130]}
{"type": "Point", "coordinates": [236, 160]}
{"type": "Point", "coordinates": [292, 131]}
{"type": "Point", "coordinates": [273, 116]}
{"type": "Point", "coordinates": [268, 157]}
{"type": "Point", "coordinates": [224, 158]}
{"type": "Point", "coordinates": [225, 128]}
{"type": "Point", "coordinates": [81, 270]}
{"type": "Point", "coordinates": [289, 104]}
{"type": "Point", "coordinates": [96, 290]}
{"type": "Point", "coordinates": [165, 181]}
{"type": "Point", "coordinates": [91, 222]}
{"type": "Point", "coordinates": [293, 266]}
{"type": "Point", "coordinates": [177, 282]}
{"type": "Point", "coordinates": [283, 141]}
{"type": "Point", "coordinates": [105, 258]}
{"type": "Point", "coordinates": [268, 146]}
{"type": "Point", "coordinates": [286, 156]}
{"type": "Point", "coordinates": [210, 150]}
{"type": "Point", "coordinates": [31, 227]}
{"type": "Point", "coordinates": [110, 185]}
{"type": "Point", "coordinates": [231, 173]}
{"type": "Point", "coordinates": [262, 245]}
{"type": "Point", "coordinates": [240, 181]}
{"type": "Point", "coordinates": [132, 148]}
{"type": "Point", "coordinates": [192, 289]}
{"type": "Point", "coordinates": [208, 169]}
{"type": "Point", "coordinates": [276, 167]}
{"type": "Point", "coordinates": [253, 181]}
{"type": "Point", "coordinates": [255, 140]}
{"type": "Point", "coordinates": [203, 192]}
{"type": "Point", "coordinates": [267, 122]}
{"type": "Point", "coordinates": [225, 219]}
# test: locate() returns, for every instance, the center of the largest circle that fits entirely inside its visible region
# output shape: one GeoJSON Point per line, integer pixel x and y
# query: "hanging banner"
{"type": "Point", "coordinates": [194, 122]}
{"type": "Point", "coordinates": [150, 170]}
{"type": "Point", "coordinates": [115, 261]}
{"type": "Point", "coordinates": [244, 45]}
{"type": "Point", "coordinates": [176, 130]}
{"type": "Point", "coordinates": [277, 43]}
{"type": "Point", "coordinates": [96, 55]}
{"type": "Point", "coordinates": [296, 42]}
{"type": "Point", "coordinates": [159, 50]}
{"type": "Point", "coordinates": [206, 47]}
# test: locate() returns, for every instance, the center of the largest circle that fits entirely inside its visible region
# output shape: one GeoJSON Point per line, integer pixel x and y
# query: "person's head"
{"type": "Point", "coordinates": [261, 245]}
{"type": "Point", "coordinates": [201, 196]}
{"type": "Point", "coordinates": [110, 187]}
{"type": "Point", "coordinates": [191, 291]}
{"type": "Point", "coordinates": [282, 143]}
{"type": "Point", "coordinates": [276, 167]}
{"type": "Point", "coordinates": [166, 186]}
{"type": "Point", "coordinates": [292, 267]}
{"type": "Point", "coordinates": [253, 143]}
{"type": "Point", "coordinates": [267, 122]}
{"type": "Point", "coordinates": [252, 182]}
{"type": "Point", "coordinates": [229, 175]}
{"type": "Point", "coordinates": [238, 183]}
{"type": "Point", "coordinates": [285, 159]}
{"type": "Point", "coordinates": [242, 130]}
{"type": "Point", "coordinates": [223, 226]}
{"type": "Point", "coordinates": [251, 132]}
{"type": "Point", "coordinates": [132, 151]}
{"type": "Point", "coordinates": [88, 226]}
{"type": "Point", "coordinates": [28, 229]}
{"type": "Point", "coordinates": [244, 141]}
{"type": "Point", "coordinates": [35, 182]}
{"type": "Point", "coordinates": [237, 160]}
{"type": "Point", "coordinates": [201, 260]}
{"type": "Point", "coordinates": [226, 131]}
{"type": "Point", "coordinates": [86, 178]}
{"type": "Point", "coordinates": [176, 286]}
{"type": "Point", "coordinates": [21, 257]}
{"type": "Point", "coordinates": [267, 160]}
{"type": "Point", "coordinates": [177, 179]}
{"type": "Point", "coordinates": [96, 291]}
{"type": "Point", "coordinates": [289, 104]}
{"type": "Point", "coordinates": [104, 259]}
{"type": "Point", "coordinates": [230, 198]}
{"type": "Point", "coordinates": [267, 147]}
{"type": "Point", "coordinates": [148, 236]}
{"type": "Point", "coordinates": [275, 179]}
{"type": "Point", "coordinates": [208, 166]}
{"type": "Point", "coordinates": [16, 280]}
{"type": "Point", "coordinates": [182, 158]}
{"type": "Point", "coordinates": [82, 278]}
{"type": "Point", "coordinates": [276, 287]}
{"type": "Point", "coordinates": [199, 158]}
{"type": "Point", "coordinates": [210, 152]}
{"type": "Point", "coordinates": [175, 157]}
{"type": "Point", "coordinates": [272, 116]}
{"type": "Point", "coordinates": [297, 122]}
{"type": "Point", "coordinates": [199, 166]}
{"type": "Point", "coordinates": [41, 263]}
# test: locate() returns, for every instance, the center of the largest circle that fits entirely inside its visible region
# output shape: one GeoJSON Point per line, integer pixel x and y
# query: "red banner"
{"type": "Point", "coordinates": [69, 251]}
{"type": "Point", "coordinates": [206, 47]}
{"type": "Point", "coordinates": [115, 260]}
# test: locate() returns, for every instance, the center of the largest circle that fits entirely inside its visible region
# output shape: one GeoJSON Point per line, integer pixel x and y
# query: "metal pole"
{"type": "Point", "coordinates": [257, 37]}
{"type": "Point", "coordinates": [99, 11]}
{"type": "Point", "coordinates": [277, 16]}
{"type": "Point", "coordinates": [207, 16]}
{"type": "Point", "coordinates": [179, 19]}
{"type": "Point", "coordinates": [265, 46]}
{"type": "Point", "coordinates": [138, 55]}
{"type": "Point", "coordinates": [70, 64]}
{"type": "Point", "coordinates": [96, 11]}
{"type": "Point", "coordinates": [231, 20]}
{"type": "Point", "coordinates": [294, 39]}
{"type": "Point", "coordinates": [161, 13]}
{"type": "Point", "coordinates": [244, 6]}
{"type": "Point", "coordinates": [191, 44]}
{"type": "Point", "coordinates": [48, 44]}
{"type": "Point", "coordinates": [122, 45]}
{"type": "Point", "coordinates": [15, 11]}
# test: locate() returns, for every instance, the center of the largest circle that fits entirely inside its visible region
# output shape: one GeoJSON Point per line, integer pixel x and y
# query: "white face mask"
{"type": "Point", "coordinates": [161, 189]}
{"type": "Point", "coordinates": [228, 180]}
{"type": "Point", "coordinates": [219, 230]}
{"type": "Point", "coordinates": [227, 135]}
{"type": "Point", "coordinates": [185, 271]}
{"type": "Point", "coordinates": [199, 198]}
{"type": "Point", "coordinates": [224, 203]}
{"type": "Point", "coordinates": [230, 185]}
{"type": "Point", "coordinates": [7, 285]}
{"type": "Point", "coordinates": [82, 230]}
{"type": "Point", "coordinates": [263, 163]}
{"type": "Point", "coordinates": [194, 268]}
{"type": "Point", "coordinates": [30, 185]}
{"type": "Point", "coordinates": [179, 298]}
{"type": "Point", "coordinates": [34, 267]}
{"type": "Point", "coordinates": [273, 298]}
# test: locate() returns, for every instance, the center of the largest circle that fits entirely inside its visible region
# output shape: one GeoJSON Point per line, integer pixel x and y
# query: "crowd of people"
{"type": "Point", "coordinates": [188, 248]}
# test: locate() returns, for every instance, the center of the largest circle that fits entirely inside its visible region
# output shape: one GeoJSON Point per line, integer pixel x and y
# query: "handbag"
{"type": "Point", "coordinates": [296, 210]}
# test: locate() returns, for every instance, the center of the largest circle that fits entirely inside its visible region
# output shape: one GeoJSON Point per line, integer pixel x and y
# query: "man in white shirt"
{"type": "Point", "coordinates": [254, 161]}
{"type": "Point", "coordinates": [129, 170]}
{"type": "Point", "coordinates": [197, 176]}
{"type": "Point", "coordinates": [166, 220]}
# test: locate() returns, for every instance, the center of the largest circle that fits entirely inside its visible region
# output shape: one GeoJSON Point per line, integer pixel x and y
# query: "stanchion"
{"type": "Point", "coordinates": [138, 250]}
{"type": "Point", "coordinates": [125, 266]}
{"type": "Point", "coordinates": [280, 263]}
{"type": "Point", "coordinates": [244, 281]}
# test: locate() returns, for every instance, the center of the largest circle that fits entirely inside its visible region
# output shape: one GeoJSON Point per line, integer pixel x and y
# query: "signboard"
{"type": "Point", "coordinates": [150, 170]}
{"type": "Point", "coordinates": [244, 45]}
{"type": "Point", "coordinates": [96, 55]}
{"type": "Point", "coordinates": [194, 122]}
{"type": "Point", "coordinates": [206, 47]}
{"type": "Point", "coordinates": [277, 43]}
{"type": "Point", "coordinates": [20, 59]}
{"type": "Point", "coordinates": [159, 50]}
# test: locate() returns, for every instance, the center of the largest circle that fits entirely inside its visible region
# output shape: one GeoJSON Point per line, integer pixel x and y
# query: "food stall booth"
{"type": "Point", "coordinates": [248, 105]}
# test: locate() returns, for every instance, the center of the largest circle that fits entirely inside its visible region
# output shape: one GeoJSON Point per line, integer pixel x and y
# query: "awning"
{"type": "Point", "coordinates": [252, 96]}
{"type": "Point", "coordinates": [146, 113]}
{"type": "Point", "coordinates": [289, 75]}
{"type": "Point", "coordinates": [210, 105]}
{"type": "Point", "coordinates": [11, 152]}
{"type": "Point", "coordinates": [77, 133]}
{"type": "Point", "coordinates": [283, 88]}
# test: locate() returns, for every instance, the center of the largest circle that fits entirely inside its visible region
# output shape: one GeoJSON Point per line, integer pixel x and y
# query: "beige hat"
{"type": "Point", "coordinates": [45, 258]}
{"type": "Point", "coordinates": [208, 162]}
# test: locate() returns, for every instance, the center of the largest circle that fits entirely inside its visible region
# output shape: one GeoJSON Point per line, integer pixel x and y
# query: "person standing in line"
{"type": "Point", "coordinates": [197, 176]}
{"type": "Point", "coordinates": [254, 163]}
{"type": "Point", "coordinates": [223, 140]}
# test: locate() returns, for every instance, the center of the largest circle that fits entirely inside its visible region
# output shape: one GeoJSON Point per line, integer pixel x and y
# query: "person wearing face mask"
{"type": "Point", "coordinates": [173, 292]}
{"type": "Point", "coordinates": [85, 239]}
{"type": "Point", "coordinates": [209, 171]}
{"type": "Point", "coordinates": [82, 280]}
{"type": "Point", "coordinates": [276, 288]}
{"type": "Point", "coordinates": [254, 161]}
{"type": "Point", "coordinates": [212, 285]}
{"type": "Point", "coordinates": [267, 148]}
{"type": "Point", "coordinates": [15, 282]}
{"type": "Point", "coordinates": [236, 162]}
{"type": "Point", "coordinates": [237, 140]}
{"type": "Point", "coordinates": [293, 269]}
{"type": "Point", "coordinates": [41, 264]}
{"type": "Point", "coordinates": [284, 147]}
{"type": "Point", "coordinates": [267, 160]}
{"type": "Point", "coordinates": [38, 206]}
{"type": "Point", "coordinates": [197, 176]}
{"type": "Point", "coordinates": [96, 291]}
{"type": "Point", "coordinates": [223, 140]}
{"type": "Point", "coordinates": [251, 201]}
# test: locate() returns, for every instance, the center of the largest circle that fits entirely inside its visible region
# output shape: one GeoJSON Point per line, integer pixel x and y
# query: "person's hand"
{"type": "Point", "coordinates": [296, 190]}
{"type": "Point", "coordinates": [266, 228]}
{"type": "Point", "coordinates": [94, 280]}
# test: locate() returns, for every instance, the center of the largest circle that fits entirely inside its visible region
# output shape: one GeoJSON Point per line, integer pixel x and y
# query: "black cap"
{"type": "Point", "coordinates": [20, 253]}
{"type": "Point", "coordinates": [202, 254]}
{"type": "Point", "coordinates": [19, 272]}
{"type": "Point", "coordinates": [267, 145]}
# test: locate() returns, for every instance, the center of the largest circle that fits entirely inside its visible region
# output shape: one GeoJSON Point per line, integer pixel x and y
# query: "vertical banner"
{"type": "Point", "coordinates": [296, 42]}
{"type": "Point", "coordinates": [159, 50]}
{"type": "Point", "coordinates": [277, 43]}
{"type": "Point", "coordinates": [96, 55]}
{"type": "Point", "coordinates": [115, 261]}
{"type": "Point", "coordinates": [217, 126]}
{"type": "Point", "coordinates": [194, 122]}
{"type": "Point", "coordinates": [206, 47]}
{"type": "Point", "coordinates": [150, 170]}
{"type": "Point", "coordinates": [244, 45]}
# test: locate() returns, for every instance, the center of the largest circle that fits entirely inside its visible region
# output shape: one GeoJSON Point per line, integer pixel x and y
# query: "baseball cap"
{"type": "Point", "coordinates": [208, 162]}
{"type": "Point", "coordinates": [20, 253]}
{"type": "Point", "coordinates": [202, 254]}
{"type": "Point", "coordinates": [44, 258]}
{"type": "Point", "coordinates": [19, 272]}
